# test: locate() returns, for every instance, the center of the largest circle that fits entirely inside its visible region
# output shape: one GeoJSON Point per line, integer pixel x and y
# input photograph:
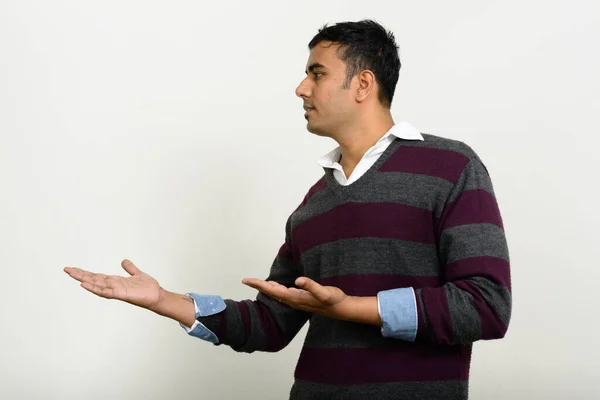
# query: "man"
{"type": "Point", "coordinates": [397, 255]}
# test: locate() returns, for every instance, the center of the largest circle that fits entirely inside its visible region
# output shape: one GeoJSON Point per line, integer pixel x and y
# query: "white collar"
{"type": "Point", "coordinates": [402, 130]}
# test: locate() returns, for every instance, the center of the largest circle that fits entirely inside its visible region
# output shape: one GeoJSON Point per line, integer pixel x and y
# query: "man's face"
{"type": "Point", "coordinates": [329, 107]}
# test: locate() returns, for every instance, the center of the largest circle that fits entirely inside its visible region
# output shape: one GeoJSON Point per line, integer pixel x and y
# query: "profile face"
{"type": "Point", "coordinates": [327, 104]}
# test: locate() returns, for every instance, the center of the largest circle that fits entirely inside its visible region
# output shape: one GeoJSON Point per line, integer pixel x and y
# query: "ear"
{"type": "Point", "coordinates": [366, 85]}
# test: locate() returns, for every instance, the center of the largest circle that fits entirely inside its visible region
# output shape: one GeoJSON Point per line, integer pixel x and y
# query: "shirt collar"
{"type": "Point", "coordinates": [402, 130]}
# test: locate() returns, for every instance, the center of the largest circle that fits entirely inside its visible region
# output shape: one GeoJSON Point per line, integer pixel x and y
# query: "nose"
{"type": "Point", "coordinates": [303, 89]}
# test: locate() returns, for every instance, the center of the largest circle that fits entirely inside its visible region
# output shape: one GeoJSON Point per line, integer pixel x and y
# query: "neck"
{"type": "Point", "coordinates": [355, 142]}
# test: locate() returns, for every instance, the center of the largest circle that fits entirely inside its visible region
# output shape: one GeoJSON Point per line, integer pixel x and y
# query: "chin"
{"type": "Point", "coordinates": [316, 131]}
{"type": "Point", "coordinates": [312, 128]}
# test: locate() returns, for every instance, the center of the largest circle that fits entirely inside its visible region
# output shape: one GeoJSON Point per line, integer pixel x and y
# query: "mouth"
{"type": "Point", "coordinates": [308, 110]}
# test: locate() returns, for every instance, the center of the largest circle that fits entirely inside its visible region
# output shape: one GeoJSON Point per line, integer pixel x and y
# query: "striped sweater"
{"type": "Point", "coordinates": [423, 216]}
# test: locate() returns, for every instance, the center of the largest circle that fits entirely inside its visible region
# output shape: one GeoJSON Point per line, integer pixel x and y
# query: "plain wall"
{"type": "Point", "coordinates": [169, 133]}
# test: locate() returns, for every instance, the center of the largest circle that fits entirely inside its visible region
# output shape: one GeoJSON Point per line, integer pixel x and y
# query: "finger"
{"type": "Point", "coordinates": [79, 274]}
{"type": "Point", "coordinates": [255, 281]}
{"type": "Point", "coordinates": [130, 267]}
{"type": "Point", "coordinates": [251, 281]}
{"type": "Point", "coordinates": [94, 279]}
{"type": "Point", "coordinates": [277, 291]}
{"type": "Point", "coordinates": [320, 292]}
{"type": "Point", "coordinates": [97, 290]}
{"type": "Point", "coordinates": [98, 280]}
{"type": "Point", "coordinates": [275, 284]}
{"type": "Point", "coordinates": [268, 286]}
{"type": "Point", "coordinates": [75, 273]}
{"type": "Point", "coordinates": [310, 309]}
{"type": "Point", "coordinates": [258, 284]}
{"type": "Point", "coordinates": [302, 299]}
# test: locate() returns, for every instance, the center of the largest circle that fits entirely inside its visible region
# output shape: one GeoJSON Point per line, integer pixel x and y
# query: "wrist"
{"type": "Point", "coordinates": [349, 310]}
{"type": "Point", "coordinates": [362, 309]}
{"type": "Point", "coordinates": [162, 304]}
{"type": "Point", "coordinates": [176, 306]}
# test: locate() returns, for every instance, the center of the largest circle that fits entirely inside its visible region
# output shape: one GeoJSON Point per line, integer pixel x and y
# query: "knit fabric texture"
{"type": "Point", "coordinates": [423, 216]}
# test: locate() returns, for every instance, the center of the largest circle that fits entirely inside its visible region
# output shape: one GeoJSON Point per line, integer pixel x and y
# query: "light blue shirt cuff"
{"type": "Point", "coordinates": [204, 306]}
{"type": "Point", "coordinates": [398, 312]}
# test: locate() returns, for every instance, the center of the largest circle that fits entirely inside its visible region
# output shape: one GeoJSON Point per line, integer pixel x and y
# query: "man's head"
{"type": "Point", "coordinates": [352, 73]}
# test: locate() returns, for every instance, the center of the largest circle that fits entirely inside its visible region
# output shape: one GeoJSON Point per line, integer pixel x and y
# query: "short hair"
{"type": "Point", "coordinates": [365, 45]}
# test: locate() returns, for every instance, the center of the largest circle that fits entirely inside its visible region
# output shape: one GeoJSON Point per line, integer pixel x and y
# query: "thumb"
{"type": "Point", "coordinates": [130, 267]}
{"type": "Point", "coordinates": [320, 292]}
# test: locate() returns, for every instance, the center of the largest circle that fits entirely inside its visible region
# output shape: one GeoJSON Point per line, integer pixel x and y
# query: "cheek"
{"type": "Point", "coordinates": [341, 102]}
{"type": "Point", "coordinates": [331, 99]}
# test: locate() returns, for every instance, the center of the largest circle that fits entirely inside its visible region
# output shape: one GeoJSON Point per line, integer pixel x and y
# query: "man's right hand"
{"type": "Point", "coordinates": [139, 289]}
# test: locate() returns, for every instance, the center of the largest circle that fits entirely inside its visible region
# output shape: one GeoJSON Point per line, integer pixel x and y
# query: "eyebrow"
{"type": "Point", "coordinates": [314, 66]}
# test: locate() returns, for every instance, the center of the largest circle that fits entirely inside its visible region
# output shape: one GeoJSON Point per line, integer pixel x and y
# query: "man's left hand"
{"type": "Point", "coordinates": [328, 301]}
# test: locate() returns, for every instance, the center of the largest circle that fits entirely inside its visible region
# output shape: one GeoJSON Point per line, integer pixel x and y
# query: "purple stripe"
{"type": "Point", "coordinates": [401, 363]}
{"type": "Point", "coordinates": [422, 331]}
{"type": "Point", "coordinates": [493, 268]}
{"type": "Point", "coordinates": [492, 327]}
{"type": "Point", "coordinates": [445, 164]}
{"type": "Point", "coordinates": [273, 336]}
{"type": "Point", "coordinates": [371, 284]}
{"type": "Point", "coordinates": [472, 207]}
{"type": "Point", "coordinates": [353, 220]}
{"type": "Point", "coordinates": [438, 314]}
{"type": "Point", "coordinates": [285, 251]}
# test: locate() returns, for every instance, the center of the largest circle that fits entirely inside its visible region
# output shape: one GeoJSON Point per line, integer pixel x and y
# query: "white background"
{"type": "Point", "coordinates": [169, 133]}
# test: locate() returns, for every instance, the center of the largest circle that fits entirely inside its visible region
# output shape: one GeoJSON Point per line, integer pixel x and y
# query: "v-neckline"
{"type": "Point", "coordinates": [344, 190]}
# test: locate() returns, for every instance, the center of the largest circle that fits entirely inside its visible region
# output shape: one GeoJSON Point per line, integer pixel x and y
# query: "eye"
{"type": "Point", "coordinates": [318, 75]}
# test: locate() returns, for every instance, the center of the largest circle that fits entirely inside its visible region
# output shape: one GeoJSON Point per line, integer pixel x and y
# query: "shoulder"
{"type": "Point", "coordinates": [452, 147]}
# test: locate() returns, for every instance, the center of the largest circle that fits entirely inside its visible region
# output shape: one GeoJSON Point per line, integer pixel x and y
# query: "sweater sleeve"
{"type": "Point", "coordinates": [475, 300]}
{"type": "Point", "coordinates": [263, 324]}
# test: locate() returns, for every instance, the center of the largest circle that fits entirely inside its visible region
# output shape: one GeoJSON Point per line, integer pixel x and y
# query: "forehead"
{"type": "Point", "coordinates": [325, 53]}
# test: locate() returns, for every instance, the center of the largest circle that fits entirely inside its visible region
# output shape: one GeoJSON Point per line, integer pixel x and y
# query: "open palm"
{"type": "Point", "coordinates": [139, 289]}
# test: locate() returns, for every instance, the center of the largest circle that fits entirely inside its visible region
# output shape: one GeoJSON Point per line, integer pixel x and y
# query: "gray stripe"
{"type": "Point", "coordinates": [284, 271]}
{"type": "Point", "coordinates": [476, 240]}
{"type": "Point", "coordinates": [319, 203]}
{"type": "Point", "coordinates": [473, 177]}
{"type": "Point", "coordinates": [422, 191]}
{"type": "Point", "coordinates": [371, 256]}
{"type": "Point", "coordinates": [436, 390]}
{"type": "Point", "coordinates": [438, 142]}
{"type": "Point", "coordinates": [466, 323]}
{"type": "Point", "coordinates": [328, 333]}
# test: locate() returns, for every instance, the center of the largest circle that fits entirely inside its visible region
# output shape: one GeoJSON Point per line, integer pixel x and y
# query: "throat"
{"type": "Point", "coordinates": [348, 171]}
{"type": "Point", "coordinates": [347, 166]}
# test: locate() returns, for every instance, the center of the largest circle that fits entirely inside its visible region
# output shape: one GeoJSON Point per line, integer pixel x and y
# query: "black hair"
{"type": "Point", "coordinates": [365, 45]}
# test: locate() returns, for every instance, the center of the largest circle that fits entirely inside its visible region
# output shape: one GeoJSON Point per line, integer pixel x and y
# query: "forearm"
{"type": "Point", "coordinates": [176, 306]}
{"type": "Point", "coordinates": [474, 308]}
